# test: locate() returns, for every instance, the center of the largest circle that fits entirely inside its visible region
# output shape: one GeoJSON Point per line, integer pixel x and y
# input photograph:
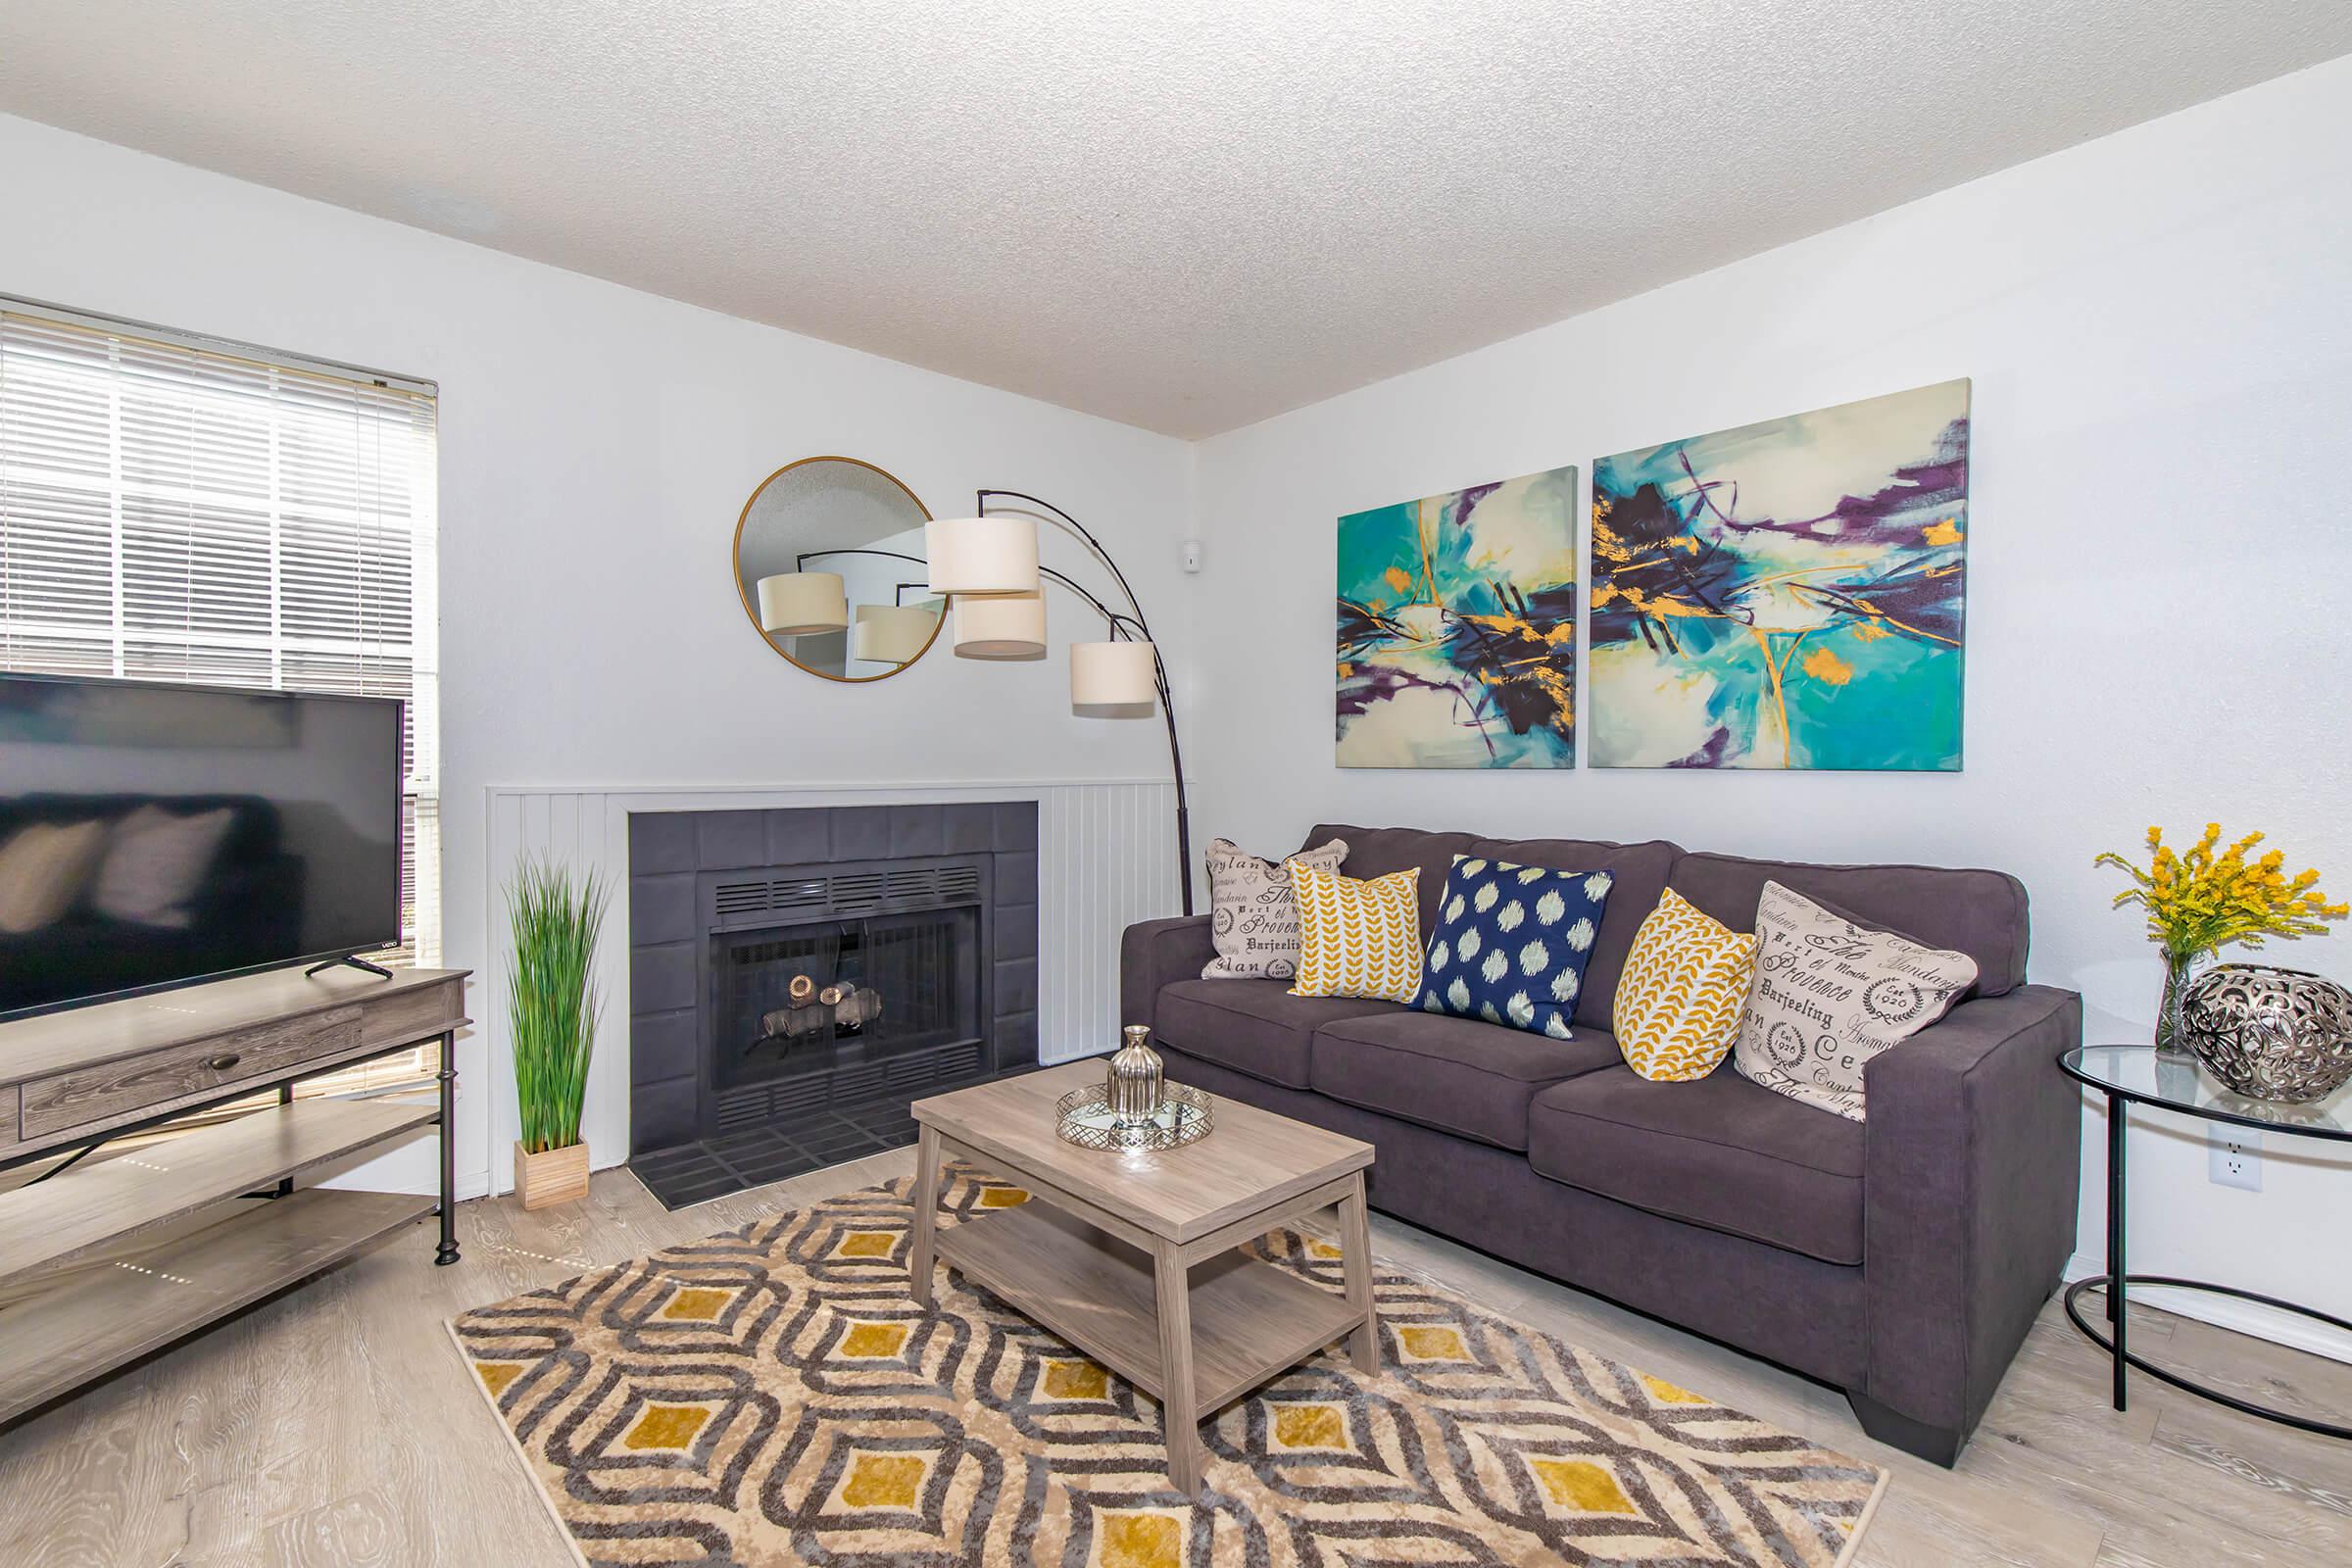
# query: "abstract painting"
{"type": "Point", "coordinates": [1788, 594]}
{"type": "Point", "coordinates": [1457, 628]}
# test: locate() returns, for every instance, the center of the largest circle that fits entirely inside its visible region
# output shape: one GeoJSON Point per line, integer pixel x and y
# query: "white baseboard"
{"type": "Point", "coordinates": [2228, 1312]}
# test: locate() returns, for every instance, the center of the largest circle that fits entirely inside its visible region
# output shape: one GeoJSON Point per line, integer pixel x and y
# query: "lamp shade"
{"type": "Point", "coordinates": [1001, 625]}
{"type": "Point", "coordinates": [893, 634]}
{"type": "Point", "coordinates": [1117, 675]}
{"type": "Point", "coordinates": [981, 555]}
{"type": "Point", "coordinates": [798, 602]}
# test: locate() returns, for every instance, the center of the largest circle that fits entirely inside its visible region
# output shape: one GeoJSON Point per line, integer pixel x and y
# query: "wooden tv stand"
{"type": "Point", "coordinates": [105, 1260]}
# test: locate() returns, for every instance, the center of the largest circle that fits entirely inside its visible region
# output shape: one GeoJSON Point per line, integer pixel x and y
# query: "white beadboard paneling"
{"type": "Point", "coordinates": [1106, 859]}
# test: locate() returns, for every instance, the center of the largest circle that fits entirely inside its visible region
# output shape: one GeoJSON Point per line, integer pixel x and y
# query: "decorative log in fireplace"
{"type": "Point", "coordinates": [832, 1010]}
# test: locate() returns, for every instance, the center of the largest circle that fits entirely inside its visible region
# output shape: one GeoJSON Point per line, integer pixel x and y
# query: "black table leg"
{"type": "Point", "coordinates": [2119, 1113]}
{"type": "Point", "coordinates": [447, 1252]}
{"type": "Point", "coordinates": [285, 1097]}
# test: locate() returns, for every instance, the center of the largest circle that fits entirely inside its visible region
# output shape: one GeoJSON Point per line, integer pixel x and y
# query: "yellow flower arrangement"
{"type": "Point", "coordinates": [2199, 900]}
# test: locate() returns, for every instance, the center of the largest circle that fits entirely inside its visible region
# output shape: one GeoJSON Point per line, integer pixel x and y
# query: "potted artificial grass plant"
{"type": "Point", "coordinates": [551, 1014]}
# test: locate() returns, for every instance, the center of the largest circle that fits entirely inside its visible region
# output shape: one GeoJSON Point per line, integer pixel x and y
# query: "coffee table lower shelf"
{"type": "Point", "coordinates": [1249, 1319]}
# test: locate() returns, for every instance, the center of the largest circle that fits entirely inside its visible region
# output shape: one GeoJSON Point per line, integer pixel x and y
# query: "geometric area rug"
{"type": "Point", "coordinates": [773, 1395]}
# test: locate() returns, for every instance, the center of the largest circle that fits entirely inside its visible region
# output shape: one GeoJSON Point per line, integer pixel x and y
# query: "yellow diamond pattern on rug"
{"type": "Point", "coordinates": [697, 1303]}
{"type": "Point", "coordinates": [1074, 1380]}
{"type": "Point", "coordinates": [1681, 993]}
{"type": "Point", "coordinates": [822, 1417]}
{"type": "Point", "coordinates": [665, 1426]}
{"type": "Point", "coordinates": [883, 1480]}
{"type": "Point", "coordinates": [1357, 938]}
{"type": "Point", "coordinates": [1302, 1427]}
{"type": "Point", "coordinates": [866, 1341]}
{"type": "Point", "coordinates": [1581, 1485]}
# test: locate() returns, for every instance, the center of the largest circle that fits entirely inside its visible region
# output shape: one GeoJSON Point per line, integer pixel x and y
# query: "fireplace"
{"type": "Point", "coordinates": [797, 977]}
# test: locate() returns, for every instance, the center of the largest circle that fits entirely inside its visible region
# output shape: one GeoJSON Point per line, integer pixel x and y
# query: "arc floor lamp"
{"type": "Point", "coordinates": [987, 567]}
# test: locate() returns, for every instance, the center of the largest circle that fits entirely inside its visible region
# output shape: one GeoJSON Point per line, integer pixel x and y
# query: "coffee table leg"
{"type": "Point", "coordinates": [1356, 1259]}
{"type": "Point", "coordinates": [926, 1214]}
{"type": "Point", "coordinates": [1179, 1415]}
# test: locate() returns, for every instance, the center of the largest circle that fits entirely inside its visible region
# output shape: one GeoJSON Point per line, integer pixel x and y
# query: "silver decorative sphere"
{"type": "Point", "coordinates": [2270, 1034]}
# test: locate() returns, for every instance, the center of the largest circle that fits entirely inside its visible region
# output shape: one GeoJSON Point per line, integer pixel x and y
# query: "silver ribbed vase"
{"type": "Point", "coordinates": [1132, 1090]}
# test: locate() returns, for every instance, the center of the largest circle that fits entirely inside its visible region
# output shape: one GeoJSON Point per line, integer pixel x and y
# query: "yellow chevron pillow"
{"type": "Point", "coordinates": [1357, 938]}
{"type": "Point", "coordinates": [1681, 994]}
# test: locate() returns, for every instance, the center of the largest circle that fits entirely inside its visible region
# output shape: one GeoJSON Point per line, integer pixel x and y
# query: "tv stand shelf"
{"type": "Point", "coordinates": [104, 1261]}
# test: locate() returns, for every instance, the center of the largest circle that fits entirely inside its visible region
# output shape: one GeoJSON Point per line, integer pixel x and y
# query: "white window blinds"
{"type": "Point", "coordinates": [180, 509]}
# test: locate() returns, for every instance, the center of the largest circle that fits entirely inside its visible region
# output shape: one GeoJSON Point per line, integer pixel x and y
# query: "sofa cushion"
{"type": "Point", "coordinates": [1719, 1151]}
{"type": "Point", "coordinates": [1254, 917]}
{"type": "Point", "coordinates": [1639, 875]}
{"type": "Point", "coordinates": [1685, 986]}
{"type": "Point", "coordinates": [1982, 913]}
{"type": "Point", "coordinates": [1356, 938]}
{"type": "Point", "coordinates": [1253, 1027]}
{"type": "Point", "coordinates": [1831, 994]}
{"type": "Point", "coordinates": [1512, 943]}
{"type": "Point", "coordinates": [1458, 1075]}
{"type": "Point", "coordinates": [1378, 850]}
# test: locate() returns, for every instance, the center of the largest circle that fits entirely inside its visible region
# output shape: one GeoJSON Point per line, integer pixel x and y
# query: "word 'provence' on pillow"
{"type": "Point", "coordinates": [1831, 994]}
{"type": "Point", "coordinates": [1357, 938]}
{"type": "Point", "coordinates": [1512, 944]}
{"type": "Point", "coordinates": [1253, 917]}
{"type": "Point", "coordinates": [1682, 993]}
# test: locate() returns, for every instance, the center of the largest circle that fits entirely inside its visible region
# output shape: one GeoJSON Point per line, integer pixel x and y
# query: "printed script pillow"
{"type": "Point", "coordinates": [1512, 944]}
{"type": "Point", "coordinates": [1683, 988]}
{"type": "Point", "coordinates": [1356, 938]}
{"type": "Point", "coordinates": [1829, 995]}
{"type": "Point", "coordinates": [1253, 917]}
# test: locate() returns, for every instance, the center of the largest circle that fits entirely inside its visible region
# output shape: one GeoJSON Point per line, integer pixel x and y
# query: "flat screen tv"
{"type": "Point", "coordinates": [153, 835]}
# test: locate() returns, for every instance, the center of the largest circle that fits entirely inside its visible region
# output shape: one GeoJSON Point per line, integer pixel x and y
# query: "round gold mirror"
{"type": "Point", "coordinates": [829, 565]}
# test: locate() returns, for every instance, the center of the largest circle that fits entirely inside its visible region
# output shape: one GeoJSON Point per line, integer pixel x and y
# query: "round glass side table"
{"type": "Point", "coordinates": [2135, 1075]}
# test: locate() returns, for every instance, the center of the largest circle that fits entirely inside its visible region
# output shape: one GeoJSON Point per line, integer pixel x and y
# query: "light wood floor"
{"type": "Point", "coordinates": [336, 1426]}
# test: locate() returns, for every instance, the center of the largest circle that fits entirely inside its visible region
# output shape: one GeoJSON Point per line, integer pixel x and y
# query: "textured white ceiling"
{"type": "Point", "coordinates": [1184, 214]}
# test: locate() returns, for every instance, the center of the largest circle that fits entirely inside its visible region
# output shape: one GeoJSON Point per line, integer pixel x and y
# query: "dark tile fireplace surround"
{"type": "Point", "coordinates": [928, 911]}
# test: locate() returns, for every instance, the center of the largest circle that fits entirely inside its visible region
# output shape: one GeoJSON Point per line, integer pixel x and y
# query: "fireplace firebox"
{"type": "Point", "coordinates": [797, 977]}
{"type": "Point", "coordinates": [809, 999]}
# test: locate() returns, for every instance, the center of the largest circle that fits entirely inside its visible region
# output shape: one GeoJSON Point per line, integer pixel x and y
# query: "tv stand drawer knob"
{"type": "Point", "coordinates": [222, 1063]}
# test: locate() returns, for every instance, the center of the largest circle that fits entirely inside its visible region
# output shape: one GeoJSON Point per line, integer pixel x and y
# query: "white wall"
{"type": "Point", "coordinates": [2159, 327]}
{"type": "Point", "coordinates": [596, 446]}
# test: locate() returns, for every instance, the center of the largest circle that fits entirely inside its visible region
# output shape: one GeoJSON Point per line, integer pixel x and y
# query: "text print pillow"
{"type": "Point", "coordinates": [1829, 995]}
{"type": "Point", "coordinates": [1253, 917]}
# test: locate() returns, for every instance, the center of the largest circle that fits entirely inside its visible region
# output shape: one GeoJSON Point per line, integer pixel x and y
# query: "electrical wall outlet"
{"type": "Point", "coordinates": [2235, 1156]}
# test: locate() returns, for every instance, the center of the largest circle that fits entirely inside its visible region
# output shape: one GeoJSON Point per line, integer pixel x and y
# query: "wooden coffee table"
{"type": "Point", "coordinates": [1132, 1257]}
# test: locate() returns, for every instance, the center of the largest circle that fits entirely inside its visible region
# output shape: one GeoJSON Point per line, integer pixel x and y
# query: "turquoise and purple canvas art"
{"type": "Point", "coordinates": [1457, 628]}
{"type": "Point", "coordinates": [1785, 595]}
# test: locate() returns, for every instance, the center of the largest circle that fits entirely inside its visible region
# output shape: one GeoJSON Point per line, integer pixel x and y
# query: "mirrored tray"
{"type": "Point", "coordinates": [1081, 1117]}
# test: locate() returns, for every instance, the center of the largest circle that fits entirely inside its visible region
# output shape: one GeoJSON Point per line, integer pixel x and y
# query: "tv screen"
{"type": "Point", "coordinates": [154, 835]}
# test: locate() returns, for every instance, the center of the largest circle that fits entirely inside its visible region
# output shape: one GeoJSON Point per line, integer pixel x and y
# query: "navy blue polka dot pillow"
{"type": "Point", "coordinates": [1512, 944]}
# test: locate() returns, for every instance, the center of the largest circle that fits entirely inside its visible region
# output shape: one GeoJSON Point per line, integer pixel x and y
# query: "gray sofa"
{"type": "Point", "coordinates": [1901, 1259]}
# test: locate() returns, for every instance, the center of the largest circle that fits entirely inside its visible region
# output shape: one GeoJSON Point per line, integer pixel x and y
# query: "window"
{"type": "Point", "coordinates": [177, 509]}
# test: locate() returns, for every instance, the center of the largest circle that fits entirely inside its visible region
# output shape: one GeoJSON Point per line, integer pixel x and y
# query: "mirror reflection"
{"type": "Point", "coordinates": [829, 565]}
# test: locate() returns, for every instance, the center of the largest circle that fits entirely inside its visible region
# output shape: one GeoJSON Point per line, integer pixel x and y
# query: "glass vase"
{"type": "Point", "coordinates": [2171, 1029]}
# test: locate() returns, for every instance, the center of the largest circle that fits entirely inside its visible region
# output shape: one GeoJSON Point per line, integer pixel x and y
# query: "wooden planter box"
{"type": "Point", "coordinates": [557, 1176]}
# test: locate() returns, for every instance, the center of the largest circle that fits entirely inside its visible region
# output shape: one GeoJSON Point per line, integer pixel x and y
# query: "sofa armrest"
{"type": "Point", "coordinates": [1971, 1177]}
{"type": "Point", "coordinates": [1154, 953]}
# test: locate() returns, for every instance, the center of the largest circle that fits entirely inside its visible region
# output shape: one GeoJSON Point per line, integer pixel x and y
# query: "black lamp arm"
{"type": "Point", "coordinates": [1159, 668]}
{"type": "Point", "coordinates": [1122, 627]}
{"type": "Point", "coordinates": [807, 556]}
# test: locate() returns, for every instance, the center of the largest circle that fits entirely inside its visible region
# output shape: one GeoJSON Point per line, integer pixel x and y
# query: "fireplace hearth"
{"type": "Point", "coordinates": [798, 977]}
